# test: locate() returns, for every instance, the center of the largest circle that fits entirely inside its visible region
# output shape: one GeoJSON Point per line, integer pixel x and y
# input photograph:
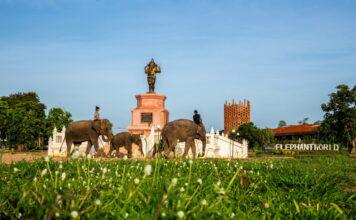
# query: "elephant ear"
{"type": "Point", "coordinates": [97, 125]}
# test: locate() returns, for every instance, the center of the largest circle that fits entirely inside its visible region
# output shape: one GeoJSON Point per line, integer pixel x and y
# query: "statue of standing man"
{"type": "Point", "coordinates": [151, 70]}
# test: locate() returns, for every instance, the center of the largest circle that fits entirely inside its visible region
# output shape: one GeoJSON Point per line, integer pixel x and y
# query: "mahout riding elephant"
{"type": "Point", "coordinates": [87, 130]}
{"type": "Point", "coordinates": [125, 139]}
{"type": "Point", "coordinates": [182, 130]}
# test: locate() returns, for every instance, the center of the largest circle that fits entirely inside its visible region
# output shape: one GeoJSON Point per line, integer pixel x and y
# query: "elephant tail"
{"type": "Point", "coordinates": [60, 149]}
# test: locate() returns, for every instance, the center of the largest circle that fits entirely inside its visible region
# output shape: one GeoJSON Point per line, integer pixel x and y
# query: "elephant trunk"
{"type": "Point", "coordinates": [108, 137]}
{"type": "Point", "coordinates": [204, 145]}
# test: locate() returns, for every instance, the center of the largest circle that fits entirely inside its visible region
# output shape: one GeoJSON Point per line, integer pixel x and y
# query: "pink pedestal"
{"type": "Point", "coordinates": [150, 111]}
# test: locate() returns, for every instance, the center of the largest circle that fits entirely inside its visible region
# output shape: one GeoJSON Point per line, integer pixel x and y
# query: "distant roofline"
{"type": "Point", "coordinates": [296, 129]}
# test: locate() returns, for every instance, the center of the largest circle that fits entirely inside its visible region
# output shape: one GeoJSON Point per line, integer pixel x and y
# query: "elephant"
{"type": "Point", "coordinates": [125, 139]}
{"type": "Point", "coordinates": [87, 130]}
{"type": "Point", "coordinates": [182, 130]}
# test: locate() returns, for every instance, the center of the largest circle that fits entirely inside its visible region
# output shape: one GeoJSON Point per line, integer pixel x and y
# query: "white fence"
{"type": "Point", "coordinates": [217, 146]}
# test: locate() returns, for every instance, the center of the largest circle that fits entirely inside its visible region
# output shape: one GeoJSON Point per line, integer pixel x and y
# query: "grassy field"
{"type": "Point", "coordinates": [310, 188]}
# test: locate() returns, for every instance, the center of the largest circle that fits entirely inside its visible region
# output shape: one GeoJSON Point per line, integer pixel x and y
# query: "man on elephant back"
{"type": "Point", "coordinates": [97, 113]}
{"type": "Point", "coordinates": [197, 118]}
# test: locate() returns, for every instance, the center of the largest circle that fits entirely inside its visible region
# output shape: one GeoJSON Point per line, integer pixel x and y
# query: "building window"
{"type": "Point", "coordinates": [58, 139]}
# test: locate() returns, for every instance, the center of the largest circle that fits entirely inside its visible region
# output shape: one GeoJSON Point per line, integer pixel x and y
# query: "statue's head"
{"type": "Point", "coordinates": [152, 62]}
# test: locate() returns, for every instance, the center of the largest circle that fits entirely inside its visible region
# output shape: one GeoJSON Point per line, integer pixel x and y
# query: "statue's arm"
{"type": "Point", "coordinates": [146, 69]}
{"type": "Point", "coordinates": [158, 68]}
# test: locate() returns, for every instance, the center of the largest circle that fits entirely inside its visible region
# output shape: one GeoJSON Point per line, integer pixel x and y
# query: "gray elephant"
{"type": "Point", "coordinates": [81, 131]}
{"type": "Point", "coordinates": [182, 130]}
{"type": "Point", "coordinates": [125, 139]}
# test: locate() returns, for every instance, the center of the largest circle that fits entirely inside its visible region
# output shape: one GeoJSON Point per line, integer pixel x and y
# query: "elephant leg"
{"type": "Point", "coordinates": [117, 152]}
{"type": "Point", "coordinates": [194, 149]}
{"type": "Point", "coordinates": [94, 141]}
{"type": "Point", "coordinates": [88, 148]}
{"type": "Point", "coordinates": [69, 143]}
{"type": "Point", "coordinates": [188, 144]}
{"type": "Point", "coordinates": [111, 149]}
{"type": "Point", "coordinates": [171, 146]}
{"type": "Point", "coordinates": [129, 151]}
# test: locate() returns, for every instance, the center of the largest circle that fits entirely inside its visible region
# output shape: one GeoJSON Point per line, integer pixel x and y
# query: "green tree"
{"type": "Point", "coordinates": [14, 99]}
{"type": "Point", "coordinates": [246, 131]}
{"type": "Point", "coordinates": [264, 137]}
{"type": "Point", "coordinates": [26, 126]}
{"type": "Point", "coordinates": [282, 123]}
{"type": "Point", "coordinates": [304, 121]}
{"type": "Point", "coordinates": [339, 122]}
{"type": "Point", "coordinates": [57, 118]}
{"type": "Point", "coordinates": [4, 119]}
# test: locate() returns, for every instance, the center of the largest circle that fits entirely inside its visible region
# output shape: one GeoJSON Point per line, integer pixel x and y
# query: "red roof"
{"type": "Point", "coordinates": [296, 129]}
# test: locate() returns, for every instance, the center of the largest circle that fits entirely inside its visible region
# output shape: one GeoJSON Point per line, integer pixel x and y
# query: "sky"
{"type": "Point", "coordinates": [283, 56]}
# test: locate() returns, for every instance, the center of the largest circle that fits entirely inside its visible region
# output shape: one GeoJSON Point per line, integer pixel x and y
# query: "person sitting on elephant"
{"type": "Point", "coordinates": [97, 113]}
{"type": "Point", "coordinates": [197, 118]}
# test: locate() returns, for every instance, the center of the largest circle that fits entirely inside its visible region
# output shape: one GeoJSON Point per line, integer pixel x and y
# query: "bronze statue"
{"type": "Point", "coordinates": [151, 70]}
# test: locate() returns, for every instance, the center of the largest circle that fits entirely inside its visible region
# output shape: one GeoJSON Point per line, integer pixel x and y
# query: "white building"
{"type": "Point", "coordinates": [217, 146]}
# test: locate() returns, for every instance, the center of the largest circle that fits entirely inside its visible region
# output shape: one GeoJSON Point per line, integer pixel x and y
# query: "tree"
{"type": "Point", "coordinates": [304, 121]}
{"type": "Point", "coordinates": [26, 126]}
{"type": "Point", "coordinates": [339, 122]}
{"type": "Point", "coordinates": [264, 137]}
{"type": "Point", "coordinates": [4, 119]}
{"type": "Point", "coordinates": [22, 119]}
{"type": "Point", "coordinates": [57, 118]}
{"type": "Point", "coordinates": [246, 131]}
{"type": "Point", "coordinates": [282, 124]}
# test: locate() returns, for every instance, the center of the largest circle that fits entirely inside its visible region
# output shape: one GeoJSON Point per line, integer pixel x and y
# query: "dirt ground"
{"type": "Point", "coordinates": [8, 158]}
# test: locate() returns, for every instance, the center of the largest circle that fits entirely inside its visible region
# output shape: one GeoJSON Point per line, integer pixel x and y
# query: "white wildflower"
{"type": "Point", "coordinates": [125, 157]}
{"type": "Point", "coordinates": [190, 162]}
{"type": "Point", "coordinates": [232, 215]}
{"type": "Point", "coordinates": [43, 172]}
{"type": "Point", "coordinates": [61, 166]}
{"type": "Point", "coordinates": [204, 202]}
{"type": "Point", "coordinates": [163, 214]}
{"type": "Point", "coordinates": [15, 169]}
{"type": "Point", "coordinates": [74, 214]}
{"type": "Point", "coordinates": [174, 181]}
{"type": "Point", "coordinates": [222, 191]}
{"type": "Point", "coordinates": [46, 159]}
{"type": "Point", "coordinates": [199, 181]}
{"type": "Point", "coordinates": [63, 176]}
{"type": "Point", "coordinates": [35, 179]}
{"type": "Point", "coordinates": [89, 156]}
{"type": "Point", "coordinates": [126, 215]}
{"type": "Point", "coordinates": [148, 170]}
{"type": "Point", "coordinates": [136, 180]}
{"type": "Point", "coordinates": [104, 170]}
{"type": "Point", "coordinates": [97, 202]}
{"type": "Point", "coordinates": [180, 214]}
{"type": "Point", "coordinates": [181, 189]}
{"type": "Point", "coordinates": [218, 183]}
{"type": "Point", "coordinates": [56, 172]}
{"type": "Point", "coordinates": [57, 214]}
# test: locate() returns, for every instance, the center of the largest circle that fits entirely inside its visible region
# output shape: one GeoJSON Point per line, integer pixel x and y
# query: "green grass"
{"type": "Point", "coordinates": [311, 188]}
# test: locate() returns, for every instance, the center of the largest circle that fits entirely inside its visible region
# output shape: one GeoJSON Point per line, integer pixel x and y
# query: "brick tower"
{"type": "Point", "coordinates": [236, 114]}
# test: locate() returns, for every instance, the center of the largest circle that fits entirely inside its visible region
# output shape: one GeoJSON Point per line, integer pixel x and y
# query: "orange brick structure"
{"type": "Point", "coordinates": [236, 114]}
{"type": "Point", "coordinates": [150, 111]}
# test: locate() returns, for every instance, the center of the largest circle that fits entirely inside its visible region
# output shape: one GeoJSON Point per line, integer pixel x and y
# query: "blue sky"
{"type": "Point", "coordinates": [284, 56]}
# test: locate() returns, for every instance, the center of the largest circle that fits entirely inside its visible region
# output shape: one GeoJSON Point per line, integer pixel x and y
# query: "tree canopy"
{"type": "Point", "coordinates": [57, 118]}
{"type": "Point", "coordinates": [23, 120]}
{"type": "Point", "coordinates": [256, 137]}
{"type": "Point", "coordinates": [282, 123]}
{"type": "Point", "coordinates": [339, 122]}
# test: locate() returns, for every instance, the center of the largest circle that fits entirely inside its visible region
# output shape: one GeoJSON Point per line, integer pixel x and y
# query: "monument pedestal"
{"type": "Point", "coordinates": [150, 112]}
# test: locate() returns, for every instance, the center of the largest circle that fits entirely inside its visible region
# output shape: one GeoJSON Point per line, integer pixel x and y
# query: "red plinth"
{"type": "Point", "coordinates": [150, 112]}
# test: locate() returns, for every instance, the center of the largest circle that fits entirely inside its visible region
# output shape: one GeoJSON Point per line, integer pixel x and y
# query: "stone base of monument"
{"type": "Point", "coordinates": [149, 112]}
